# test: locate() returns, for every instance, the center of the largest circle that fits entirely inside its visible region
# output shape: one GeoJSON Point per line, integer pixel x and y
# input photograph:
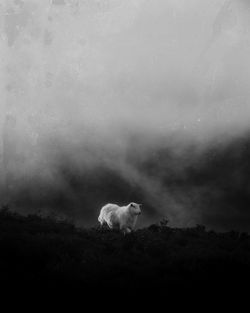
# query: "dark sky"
{"type": "Point", "coordinates": [122, 101]}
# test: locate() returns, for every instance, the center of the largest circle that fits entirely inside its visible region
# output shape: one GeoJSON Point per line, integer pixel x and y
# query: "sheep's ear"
{"type": "Point", "coordinates": [139, 204]}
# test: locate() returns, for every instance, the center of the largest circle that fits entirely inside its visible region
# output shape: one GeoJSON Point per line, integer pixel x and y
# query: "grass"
{"type": "Point", "coordinates": [44, 251]}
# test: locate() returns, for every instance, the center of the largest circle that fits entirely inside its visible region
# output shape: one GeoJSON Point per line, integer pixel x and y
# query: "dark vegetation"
{"type": "Point", "coordinates": [43, 252]}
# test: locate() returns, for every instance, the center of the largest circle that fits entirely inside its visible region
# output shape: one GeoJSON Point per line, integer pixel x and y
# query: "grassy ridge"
{"type": "Point", "coordinates": [47, 251]}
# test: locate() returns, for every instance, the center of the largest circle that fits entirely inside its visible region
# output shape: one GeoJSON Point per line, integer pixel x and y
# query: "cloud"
{"type": "Point", "coordinates": [94, 86]}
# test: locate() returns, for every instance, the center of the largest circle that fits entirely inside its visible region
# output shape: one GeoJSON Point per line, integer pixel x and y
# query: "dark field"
{"type": "Point", "coordinates": [47, 254]}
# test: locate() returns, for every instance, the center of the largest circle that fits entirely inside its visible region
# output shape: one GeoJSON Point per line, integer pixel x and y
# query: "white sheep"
{"type": "Point", "coordinates": [120, 217]}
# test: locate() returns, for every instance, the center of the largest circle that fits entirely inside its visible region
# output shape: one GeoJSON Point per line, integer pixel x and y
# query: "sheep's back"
{"type": "Point", "coordinates": [108, 209]}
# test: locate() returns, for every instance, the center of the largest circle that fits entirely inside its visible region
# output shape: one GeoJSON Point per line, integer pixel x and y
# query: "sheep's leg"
{"type": "Point", "coordinates": [110, 225]}
{"type": "Point", "coordinates": [103, 223]}
{"type": "Point", "coordinates": [123, 229]}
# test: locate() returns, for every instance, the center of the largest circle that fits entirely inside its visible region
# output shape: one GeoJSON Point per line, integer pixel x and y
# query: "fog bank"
{"type": "Point", "coordinates": [99, 90]}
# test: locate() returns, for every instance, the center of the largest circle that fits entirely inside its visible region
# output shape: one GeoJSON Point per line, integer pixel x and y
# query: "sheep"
{"type": "Point", "coordinates": [120, 217]}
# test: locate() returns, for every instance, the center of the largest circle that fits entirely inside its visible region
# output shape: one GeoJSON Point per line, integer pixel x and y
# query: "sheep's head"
{"type": "Point", "coordinates": [135, 208]}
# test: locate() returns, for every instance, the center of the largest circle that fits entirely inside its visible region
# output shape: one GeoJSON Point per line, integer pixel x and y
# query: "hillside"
{"type": "Point", "coordinates": [44, 252]}
{"type": "Point", "coordinates": [209, 187]}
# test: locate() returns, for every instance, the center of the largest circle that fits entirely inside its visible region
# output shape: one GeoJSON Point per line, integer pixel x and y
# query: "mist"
{"type": "Point", "coordinates": [122, 101]}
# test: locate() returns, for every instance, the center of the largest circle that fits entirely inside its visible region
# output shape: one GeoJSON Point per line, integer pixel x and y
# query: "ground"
{"type": "Point", "coordinates": [45, 252]}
